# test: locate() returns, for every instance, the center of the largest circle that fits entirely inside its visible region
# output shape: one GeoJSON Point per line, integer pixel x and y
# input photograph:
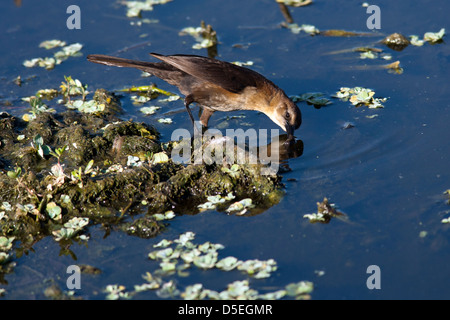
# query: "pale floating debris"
{"type": "Point", "coordinates": [165, 120]}
{"type": "Point", "coordinates": [241, 206]}
{"type": "Point", "coordinates": [115, 292]}
{"type": "Point", "coordinates": [170, 98]}
{"type": "Point", "coordinates": [204, 35]}
{"type": "Point", "coordinates": [164, 216]}
{"type": "Point", "coordinates": [238, 290]}
{"type": "Point", "coordinates": [184, 239]}
{"type": "Point", "coordinates": [257, 268]}
{"type": "Point", "coordinates": [168, 290]}
{"type": "Point", "coordinates": [415, 41]}
{"type": "Point", "coordinates": [300, 290]}
{"type": "Point", "coordinates": [434, 37]}
{"type": "Point", "coordinates": [307, 28]}
{"type": "Point", "coordinates": [60, 56]}
{"type": "Point", "coordinates": [431, 37]}
{"type": "Point", "coordinates": [141, 100]}
{"type": "Point", "coordinates": [149, 110]}
{"type": "Point", "coordinates": [213, 201]}
{"type": "Point", "coordinates": [164, 243]}
{"type": "Point", "coordinates": [136, 7]}
{"type": "Point", "coordinates": [368, 55]}
{"type": "Point", "coordinates": [50, 44]}
{"type": "Point", "coordinates": [360, 96]}
{"type": "Point", "coordinates": [206, 261]}
{"type": "Point", "coordinates": [228, 263]}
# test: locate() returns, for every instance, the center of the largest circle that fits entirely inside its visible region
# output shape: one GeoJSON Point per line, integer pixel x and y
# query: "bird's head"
{"type": "Point", "coordinates": [287, 115]}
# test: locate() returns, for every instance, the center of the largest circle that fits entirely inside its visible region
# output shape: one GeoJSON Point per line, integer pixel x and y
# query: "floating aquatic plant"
{"type": "Point", "coordinates": [135, 8]}
{"type": "Point", "coordinates": [176, 256]}
{"type": "Point", "coordinates": [307, 28]}
{"type": "Point", "coordinates": [71, 228]}
{"type": "Point", "coordinates": [72, 50]}
{"type": "Point", "coordinates": [204, 35]}
{"type": "Point", "coordinates": [165, 120]}
{"type": "Point", "coordinates": [434, 37]}
{"type": "Point", "coordinates": [360, 96]}
{"type": "Point", "coordinates": [215, 200]}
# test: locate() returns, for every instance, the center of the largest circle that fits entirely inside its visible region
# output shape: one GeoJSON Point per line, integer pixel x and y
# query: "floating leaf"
{"type": "Point", "coordinates": [165, 120]}
{"type": "Point", "coordinates": [300, 289]}
{"type": "Point", "coordinates": [50, 44]}
{"type": "Point", "coordinates": [434, 37]}
{"type": "Point", "coordinates": [228, 263]}
{"type": "Point", "coordinates": [149, 110]}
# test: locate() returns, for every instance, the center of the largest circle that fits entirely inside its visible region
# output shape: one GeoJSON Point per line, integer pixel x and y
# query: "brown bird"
{"type": "Point", "coordinates": [217, 86]}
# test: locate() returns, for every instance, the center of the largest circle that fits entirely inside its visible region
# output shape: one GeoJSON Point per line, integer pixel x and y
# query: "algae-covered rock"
{"type": "Point", "coordinates": [193, 184]}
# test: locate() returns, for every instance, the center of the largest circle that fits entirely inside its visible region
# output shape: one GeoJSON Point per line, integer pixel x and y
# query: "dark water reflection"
{"type": "Point", "coordinates": [387, 173]}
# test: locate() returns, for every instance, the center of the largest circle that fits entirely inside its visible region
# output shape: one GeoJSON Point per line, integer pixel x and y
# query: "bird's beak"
{"type": "Point", "coordinates": [290, 132]}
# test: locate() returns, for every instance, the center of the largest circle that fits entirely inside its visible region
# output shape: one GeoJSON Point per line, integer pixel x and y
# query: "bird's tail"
{"type": "Point", "coordinates": [121, 62]}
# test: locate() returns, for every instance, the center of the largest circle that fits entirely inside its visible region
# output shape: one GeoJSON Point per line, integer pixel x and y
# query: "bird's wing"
{"type": "Point", "coordinates": [224, 74]}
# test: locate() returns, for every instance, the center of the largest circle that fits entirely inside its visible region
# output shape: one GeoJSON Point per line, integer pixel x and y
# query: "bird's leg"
{"type": "Point", "coordinates": [187, 101]}
{"type": "Point", "coordinates": [204, 118]}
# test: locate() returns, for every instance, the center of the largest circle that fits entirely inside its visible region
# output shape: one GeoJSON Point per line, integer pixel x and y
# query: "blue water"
{"type": "Point", "coordinates": [387, 174]}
